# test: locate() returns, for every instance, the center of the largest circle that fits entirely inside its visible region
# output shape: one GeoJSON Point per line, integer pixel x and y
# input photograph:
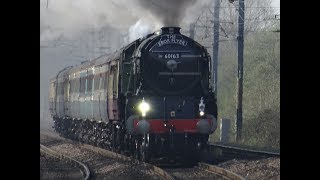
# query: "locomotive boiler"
{"type": "Point", "coordinates": [152, 98]}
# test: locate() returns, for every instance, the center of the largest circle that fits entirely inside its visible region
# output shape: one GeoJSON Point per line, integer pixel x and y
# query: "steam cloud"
{"type": "Point", "coordinates": [139, 29]}
{"type": "Point", "coordinates": [169, 12]}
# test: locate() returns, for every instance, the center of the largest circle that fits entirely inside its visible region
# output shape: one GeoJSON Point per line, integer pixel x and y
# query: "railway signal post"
{"type": "Point", "coordinates": [215, 51]}
{"type": "Point", "coordinates": [240, 70]}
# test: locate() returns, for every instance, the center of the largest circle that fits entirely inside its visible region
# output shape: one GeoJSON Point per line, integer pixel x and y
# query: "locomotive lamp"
{"type": "Point", "coordinates": [201, 107]}
{"type": "Point", "coordinates": [144, 107]}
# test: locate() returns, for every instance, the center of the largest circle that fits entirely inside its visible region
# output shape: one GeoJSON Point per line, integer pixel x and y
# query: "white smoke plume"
{"type": "Point", "coordinates": [169, 12]}
{"type": "Point", "coordinates": [140, 29]}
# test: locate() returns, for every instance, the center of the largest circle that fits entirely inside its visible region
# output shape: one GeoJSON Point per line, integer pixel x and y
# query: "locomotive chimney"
{"type": "Point", "coordinates": [170, 30]}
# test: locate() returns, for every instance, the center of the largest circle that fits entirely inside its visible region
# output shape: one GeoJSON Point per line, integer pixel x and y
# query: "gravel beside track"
{"type": "Point", "coordinates": [250, 164]}
{"type": "Point", "coordinates": [267, 168]}
{"type": "Point", "coordinates": [53, 168]}
{"type": "Point", "coordinates": [191, 173]}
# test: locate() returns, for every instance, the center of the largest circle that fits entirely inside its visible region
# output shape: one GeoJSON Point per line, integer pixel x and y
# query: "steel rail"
{"type": "Point", "coordinates": [164, 174]}
{"type": "Point", "coordinates": [244, 152]}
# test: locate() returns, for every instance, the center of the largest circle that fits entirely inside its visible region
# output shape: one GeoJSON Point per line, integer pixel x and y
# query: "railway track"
{"type": "Point", "coordinates": [239, 164]}
{"type": "Point", "coordinates": [102, 163]}
{"type": "Point", "coordinates": [250, 164]}
{"type": "Point", "coordinates": [225, 152]}
{"type": "Point", "coordinates": [201, 171]}
{"type": "Point", "coordinates": [45, 151]}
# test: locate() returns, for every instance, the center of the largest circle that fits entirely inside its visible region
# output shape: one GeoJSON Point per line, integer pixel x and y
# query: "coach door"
{"type": "Point", "coordinates": [67, 97]}
{"type": "Point", "coordinates": [52, 96]}
{"type": "Point", "coordinates": [113, 110]}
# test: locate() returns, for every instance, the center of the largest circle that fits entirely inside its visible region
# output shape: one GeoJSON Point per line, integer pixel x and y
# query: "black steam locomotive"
{"type": "Point", "coordinates": [152, 98]}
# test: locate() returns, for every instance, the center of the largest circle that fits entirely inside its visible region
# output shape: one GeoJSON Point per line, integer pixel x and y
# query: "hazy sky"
{"type": "Point", "coordinates": [276, 4]}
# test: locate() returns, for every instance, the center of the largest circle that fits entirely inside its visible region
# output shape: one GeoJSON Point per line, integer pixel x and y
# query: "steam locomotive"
{"type": "Point", "coordinates": [152, 98]}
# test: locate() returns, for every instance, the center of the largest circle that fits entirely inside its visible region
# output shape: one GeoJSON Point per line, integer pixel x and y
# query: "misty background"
{"type": "Point", "coordinates": [72, 31]}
